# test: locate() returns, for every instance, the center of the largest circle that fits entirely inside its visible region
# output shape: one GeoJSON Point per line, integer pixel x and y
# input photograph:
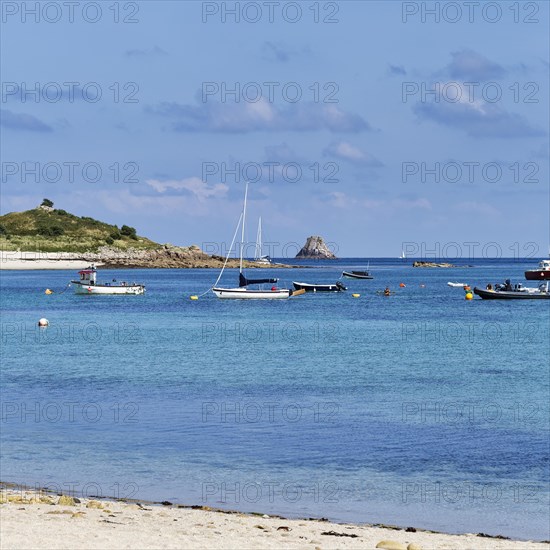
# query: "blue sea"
{"type": "Point", "coordinates": [419, 409]}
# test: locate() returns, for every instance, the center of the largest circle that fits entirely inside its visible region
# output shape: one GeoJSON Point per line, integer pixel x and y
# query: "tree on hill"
{"type": "Point", "coordinates": [128, 231]}
{"type": "Point", "coordinates": [51, 230]}
{"type": "Point", "coordinates": [47, 202]}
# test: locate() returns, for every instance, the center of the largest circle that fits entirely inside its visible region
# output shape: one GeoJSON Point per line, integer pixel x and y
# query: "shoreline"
{"type": "Point", "coordinates": [28, 516]}
{"type": "Point", "coordinates": [165, 259]}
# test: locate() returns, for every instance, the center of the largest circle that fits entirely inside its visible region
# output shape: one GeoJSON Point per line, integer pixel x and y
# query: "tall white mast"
{"type": "Point", "coordinates": [258, 251]}
{"type": "Point", "coordinates": [242, 229]}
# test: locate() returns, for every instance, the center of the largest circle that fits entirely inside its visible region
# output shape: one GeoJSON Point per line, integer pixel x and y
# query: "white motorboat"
{"type": "Point", "coordinates": [87, 284]}
{"type": "Point", "coordinates": [460, 285]}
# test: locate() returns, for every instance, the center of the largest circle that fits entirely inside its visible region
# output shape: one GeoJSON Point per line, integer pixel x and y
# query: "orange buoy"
{"type": "Point", "coordinates": [402, 285]}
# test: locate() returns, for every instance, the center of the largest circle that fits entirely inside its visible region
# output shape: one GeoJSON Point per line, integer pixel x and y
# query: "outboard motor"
{"type": "Point", "coordinates": [340, 286]}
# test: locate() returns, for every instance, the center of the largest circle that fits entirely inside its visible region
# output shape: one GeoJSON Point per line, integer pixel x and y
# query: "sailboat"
{"type": "Point", "coordinates": [242, 292]}
{"type": "Point", "coordinates": [258, 256]}
{"type": "Point", "coordinates": [402, 257]}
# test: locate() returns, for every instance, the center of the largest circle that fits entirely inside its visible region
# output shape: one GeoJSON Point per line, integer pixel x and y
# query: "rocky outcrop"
{"type": "Point", "coordinates": [315, 247]}
{"type": "Point", "coordinates": [167, 256]}
{"type": "Point", "coordinates": [432, 264]}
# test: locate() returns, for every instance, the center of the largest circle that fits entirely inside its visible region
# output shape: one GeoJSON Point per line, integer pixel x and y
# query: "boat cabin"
{"type": "Point", "coordinates": [88, 276]}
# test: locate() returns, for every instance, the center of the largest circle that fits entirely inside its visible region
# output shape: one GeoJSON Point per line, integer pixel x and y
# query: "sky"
{"type": "Point", "coordinates": [381, 126]}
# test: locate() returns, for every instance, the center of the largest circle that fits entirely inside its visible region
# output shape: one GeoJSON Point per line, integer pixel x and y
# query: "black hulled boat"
{"type": "Point", "coordinates": [308, 287]}
{"type": "Point", "coordinates": [507, 291]}
{"type": "Point", "coordinates": [357, 275]}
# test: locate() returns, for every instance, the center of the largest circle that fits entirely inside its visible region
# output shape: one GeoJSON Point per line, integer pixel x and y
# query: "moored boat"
{"type": "Point", "coordinates": [540, 274]}
{"type": "Point", "coordinates": [251, 294]}
{"type": "Point", "coordinates": [242, 292]}
{"type": "Point", "coordinates": [461, 285]}
{"type": "Point", "coordinates": [357, 275]}
{"type": "Point", "coordinates": [87, 284]}
{"type": "Point", "coordinates": [507, 291]}
{"type": "Point", "coordinates": [260, 258]}
{"type": "Point", "coordinates": [309, 287]}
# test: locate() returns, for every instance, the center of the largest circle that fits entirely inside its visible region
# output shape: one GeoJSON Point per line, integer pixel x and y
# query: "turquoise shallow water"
{"type": "Point", "coordinates": [419, 409]}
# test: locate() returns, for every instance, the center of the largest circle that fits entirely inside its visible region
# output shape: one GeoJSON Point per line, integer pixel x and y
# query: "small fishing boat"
{"type": "Point", "coordinates": [458, 285]}
{"type": "Point", "coordinates": [87, 284]}
{"type": "Point", "coordinates": [308, 287]}
{"type": "Point", "coordinates": [540, 274]}
{"type": "Point", "coordinates": [507, 291]}
{"type": "Point", "coordinates": [357, 275]}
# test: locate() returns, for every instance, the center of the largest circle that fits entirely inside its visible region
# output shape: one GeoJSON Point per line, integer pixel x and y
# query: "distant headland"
{"type": "Point", "coordinates": [50, 238]}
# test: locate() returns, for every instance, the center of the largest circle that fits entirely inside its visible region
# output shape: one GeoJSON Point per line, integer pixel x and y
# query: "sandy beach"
{"type": "Point", "coordinates": [40, 260]}
{"type": "Point", "coordinates": [30, 519]}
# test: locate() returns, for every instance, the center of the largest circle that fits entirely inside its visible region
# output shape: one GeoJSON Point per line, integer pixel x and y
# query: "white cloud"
{"type": "Point", "coordinates": [411, 204]}
{"type": "Point", "coordinates": [477, 208]}
{"type": "Point", "coordinates": [195, 186]}
{"type": "Point", "coordinates": [243, 117]}
{"type": "Point", "coordinates": [346, 151]}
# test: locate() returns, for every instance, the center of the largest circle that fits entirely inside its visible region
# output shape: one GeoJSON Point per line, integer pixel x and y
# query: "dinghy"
{"type": "Point", "coordinates": [516, 292]}
{"type": "Point", "coordinates": [309, 287]}
{"type": "Point", "coordinates": [357, 275]}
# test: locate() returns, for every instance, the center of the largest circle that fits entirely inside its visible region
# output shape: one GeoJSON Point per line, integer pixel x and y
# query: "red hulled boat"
{"type": "Point", "coordinates": [540, 274]}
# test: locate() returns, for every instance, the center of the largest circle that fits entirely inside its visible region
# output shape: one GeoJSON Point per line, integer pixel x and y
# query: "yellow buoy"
{"type": "Point", "coordinates": [468, 296]}
{"type": "Point", "coordinates": [194, 297]}
{"type": "Point", "coordinates": [356, 295]}
{"type": "Point", "coordinates": [48, 291]}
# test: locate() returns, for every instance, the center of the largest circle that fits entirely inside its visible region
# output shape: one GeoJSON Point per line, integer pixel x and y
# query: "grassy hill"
{"type": "Point", "coordinates": [52, 230]}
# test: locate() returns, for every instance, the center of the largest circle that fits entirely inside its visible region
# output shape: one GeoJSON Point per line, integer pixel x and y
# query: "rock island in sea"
{"type": "Point", "coordinates": [316, 247]}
